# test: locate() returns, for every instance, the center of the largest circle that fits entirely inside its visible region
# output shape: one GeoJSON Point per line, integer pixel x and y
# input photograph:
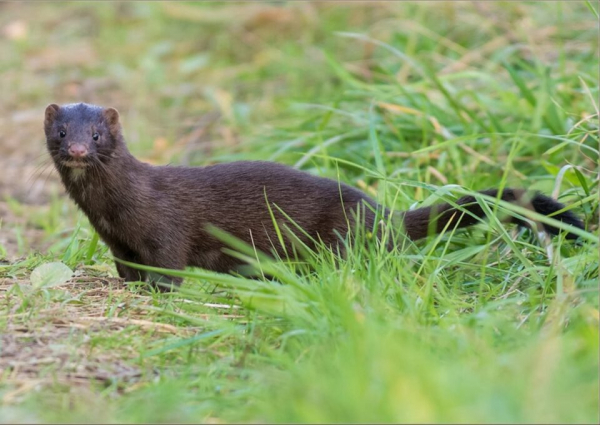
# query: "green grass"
{"type": "Point", "coordinates": [410, 102]}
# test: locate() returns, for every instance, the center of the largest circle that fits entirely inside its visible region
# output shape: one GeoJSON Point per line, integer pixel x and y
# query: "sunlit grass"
{"type": "Point", "coordinates": [413, 103]}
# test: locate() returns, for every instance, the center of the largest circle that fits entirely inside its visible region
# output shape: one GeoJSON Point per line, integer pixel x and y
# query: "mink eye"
{"type": "Point", "coordinates": [95, 136]}
{"type": "Point", "coordinates": [62, 133]}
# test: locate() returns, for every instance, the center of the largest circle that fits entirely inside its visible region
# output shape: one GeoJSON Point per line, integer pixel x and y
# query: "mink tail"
{"type": "Point", "coordinates": [423, 221]}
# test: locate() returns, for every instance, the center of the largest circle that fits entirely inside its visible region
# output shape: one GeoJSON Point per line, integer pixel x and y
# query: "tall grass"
{"type": "Point", "coordinates": [413, 103]}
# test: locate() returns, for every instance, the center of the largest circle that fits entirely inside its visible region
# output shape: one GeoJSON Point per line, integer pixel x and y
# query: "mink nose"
{"type": "Point", "coordinates": [77, 151]}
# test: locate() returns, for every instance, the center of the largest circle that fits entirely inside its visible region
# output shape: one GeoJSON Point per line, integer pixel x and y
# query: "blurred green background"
{"type": "Point", "coordinates": [396, 98]}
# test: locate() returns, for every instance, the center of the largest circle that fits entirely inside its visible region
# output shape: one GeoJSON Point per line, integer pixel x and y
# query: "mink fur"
{"type": "Point", "coordinates": [158, 215]}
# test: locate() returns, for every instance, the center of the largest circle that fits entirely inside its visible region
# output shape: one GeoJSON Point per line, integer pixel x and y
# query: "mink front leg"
{"type": "Point", "coordinates": [166, 257]}
{"type": "Point", "coordinates": [128, 273]}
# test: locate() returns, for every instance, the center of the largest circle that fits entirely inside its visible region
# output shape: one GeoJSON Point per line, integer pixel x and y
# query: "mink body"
{"type": "Point", "coordinates": [157, 215]}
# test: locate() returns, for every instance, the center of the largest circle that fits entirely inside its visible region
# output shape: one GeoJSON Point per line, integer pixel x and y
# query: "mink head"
{"type": "Point", "coordinates": [80, 135]}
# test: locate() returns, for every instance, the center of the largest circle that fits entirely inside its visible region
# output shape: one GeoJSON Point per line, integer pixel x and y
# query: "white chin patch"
{"type": "Point", "coordinates": [77, 173]}
{"type": "Point", "coordinates": [74, 164]}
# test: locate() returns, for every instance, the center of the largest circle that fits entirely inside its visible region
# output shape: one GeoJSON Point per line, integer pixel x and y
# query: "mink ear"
{"type": "Point", "coordinates": [111, 117]}
{"type": "Point", "coordinates": [50, 115]}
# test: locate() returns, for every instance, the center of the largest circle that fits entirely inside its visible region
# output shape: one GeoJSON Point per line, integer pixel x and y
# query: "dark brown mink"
{"type": "Point", "coordinates": [158, 215]}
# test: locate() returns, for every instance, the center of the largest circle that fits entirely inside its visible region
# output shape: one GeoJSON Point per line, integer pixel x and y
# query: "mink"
{"type": "Point", "coordinates": [159, 215]}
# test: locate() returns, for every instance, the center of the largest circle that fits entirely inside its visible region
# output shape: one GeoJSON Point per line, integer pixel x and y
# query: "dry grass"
{"type": "Point", "coordinates": [472, 328]}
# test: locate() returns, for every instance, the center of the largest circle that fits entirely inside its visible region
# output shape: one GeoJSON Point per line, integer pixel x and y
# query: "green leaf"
{"type": "Point", "coordinates": [183, 342]}
{"type": "Point", "coordinates": [581, 179]}
{"type": "Point", "coordinates": [554, 170]}
{"type": "Point", "coordinates": [50, 274]}
{"type": "Point", "coordinates": [375, 143]}
{"type": "Point", "coordinates": [594, 11]}
{"type": "Point", "coordinates": [268, 303]}
{"type": "Point", "coordinates": [527, 94]}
